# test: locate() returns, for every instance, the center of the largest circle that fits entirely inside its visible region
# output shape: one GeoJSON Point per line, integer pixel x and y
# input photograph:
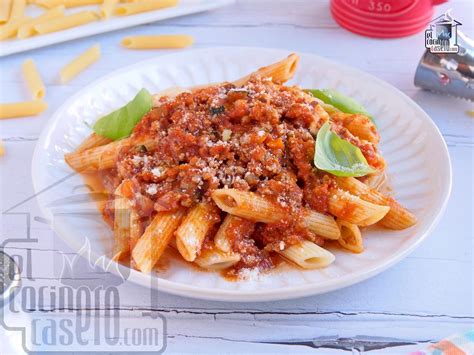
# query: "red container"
{"type": "Point", "coordinates": [383, 18]}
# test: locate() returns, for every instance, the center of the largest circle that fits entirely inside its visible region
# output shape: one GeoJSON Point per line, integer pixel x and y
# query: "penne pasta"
{"type": "Point", "coordinates": [22, 109]}
{"type": "Point", "coordinates": [67, 3]}
{"type": "Point", "coordinates": [94, 140]}
{"type": "Point", "coordinates": [351, 238]}
{"type": "Point", "coordinates": [280, 72]}
{"type": "Point", "coordinates": [11, 28]}
{"type": "Point", "coordinates": [359, 125]}
{"type": "Point", "coordinates": [107, 8]}
{"type": "Point", "coordinates": [156, 238]}
{"type": "Point", "coordinates": [66, 22]}
{"type": "Point", "coordinates": [353, 209]}
{"type": "Point", "coordinates": [72, 69]}
{"type": "Point", "coordinates": [143, 6]}
{"type": "Point", "coordinates": [216, 259]}
{"type": "Point", "coordinates": [122, 227]}
{"type": "Point", "coordinates": [27, 29]}
{"type": "Point", "coordinates": [17, 9]}
{"type": "Point", "coordinates": [157, 42]}
{"type": "Point", "coordinates": [308, 255]}
{"type": "Point", "coordinates": [222, 238]}
{"type": "Point", "coordinates": [5, 10]}
{"type": "Point", "coordinates": [33, 79]}
{"type": "Point", "coordinates": [397, 217]}
{"type": "Point", "coordinates": [321, 224]}
{"type": "Point", "coordinates": [2, 148]}
{"type": "Point", "coordinates": [248, 205]}
{"type": "Point", "coordinates": [192, 231]}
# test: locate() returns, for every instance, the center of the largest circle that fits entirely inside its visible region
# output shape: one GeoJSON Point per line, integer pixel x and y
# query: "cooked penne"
{"type": "Point", "coordinates": [248, 205]}
{"type": "Point", "coordinates": [67, 3]}
{"type": "Point", "coordinates": [10, 29]}
{"type": "Point", "coordinates": [27, 29]}
{"type": "Point", "coordinates": [351, 238]}
{"type": "Point", "coordinates": [222, 239]}
{"type": "Point", "coordinates": [107, 8]}
{"type": "Point", "coordinates": [17, 9]}
{"type": "Point", "coordinates": [397, 217]}
{"type": "Point", "coordinates": [321, 224]}
{"type": "Point", "coordinates": [308, 255]}
{"type": "Point", "coordinates": [279, 72]}
{"type": "Point", "coordinates": [93, 141]}
{"type": "Point", "coordinates": [192, 231]}
{"type": "Point", "coordinates": [156, 238]}
{"type": "Point", "coordinates": [157, 42]}
{"type": "Point", "coordinates": [359, 125]}
{"type": "Point", "coordinates": [63, 23]}
{"type": "Point", "coordinates": [143, 6]}
{"type": "Point", "coordinates": [215, 259]}
{"type": "Point", "coordinates": [33, 79]}
{"type": "Point", "coordinates": [22, 109]}
{"type": "Point", "coordinates": [353, 209]}
{"type": "Point", "coordinates": [72, 69]}
{"type": "Point", "coordinates": [122, 228]}
{"type": "Point", "coordinates": [5, 10]}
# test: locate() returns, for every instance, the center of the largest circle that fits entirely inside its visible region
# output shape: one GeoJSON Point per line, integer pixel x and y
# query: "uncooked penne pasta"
{"type": "Point", "coordinates": [280, 72]}
{"type": "Point", "coordinates": [248, 205]}
{"type": "Point", "coordinates": [157, 42]}
{"type": "Point", "coordinates": [143, 6]}
{"type": "Point", "coordinates": [397, 217]}
{"type": "Point", "coordinates": [353, 209]}
{"type": "Point", "coordinates": [215, 259]}
{"type": "Point", "coordinates": [192, 231]}
{"type": "Point", "coordinates": [22, 109]}
{"type": "Point", "coordinates": [351, 238]}
{"type": "Point", "coordinates": [94, 140]}
{"type": "Point", "coordinates": [27, 29]}
{"type": "Point", "coordinates": [156, 238]}
{"type": "Point", "coordinates": [72, 69]}
{"type": "Point", "coordinates": [10, 29]}
{"type": "Point", "coordinates": [5, 10]}
{"type": "Point", "coordinates": [33, 79]}
{"type": "Point", "coordinates": [308, 255]}
{"type": "Point", "coordinates": [63, 23]}
{"type": "Point", "coordinates": [321, 224]}
{"type": "Point", "coordinates": [107, 8]}
{"type": "Point", "coordinates": [17, 9]}
{"type": "Point", "coordinates": [67, 3]}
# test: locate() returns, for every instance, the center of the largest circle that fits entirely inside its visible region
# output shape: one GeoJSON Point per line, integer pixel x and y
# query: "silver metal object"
{"type": "Point", "coordinates": [9, 278]}
{"type": "Point", "coordinates": [449, 73]}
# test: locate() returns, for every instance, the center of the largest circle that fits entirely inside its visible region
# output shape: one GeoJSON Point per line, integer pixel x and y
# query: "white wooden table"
{"type": "Point", "coordinates": [424, 298]}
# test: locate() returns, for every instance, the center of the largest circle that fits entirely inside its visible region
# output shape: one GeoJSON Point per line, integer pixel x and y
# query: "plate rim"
{"type": "Point", "coordinates": [281, 293]}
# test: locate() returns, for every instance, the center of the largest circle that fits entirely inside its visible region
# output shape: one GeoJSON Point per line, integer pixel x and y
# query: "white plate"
{"type": "Point", "coordinates": [418, 165]}
{"type": "Point", "coordinates": [185, 7]}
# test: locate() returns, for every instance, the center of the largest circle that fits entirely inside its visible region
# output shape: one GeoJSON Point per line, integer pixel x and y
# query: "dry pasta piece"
{"type": "Point", "coordinates": [22, 109]}
{"type": "Point", "coordinates": [280, 72]}
{"type": "Point", "coordinates": [107, 8]}
{"type": "Point", "coordinates": [215, 259]}
{"type": "Point", "coordinates": [308, 255]}
{"type": "Point", "coordinates": [156, 238]}
{"type": "Point", "coordinates": [5, 10]}
{"type": "Point", "coordinates": [11, 28]}
{"type": "Point", "coordinates": [80, 63]}
{"type": "Point", "coordinates": [143, 6]}
{"type": "Point", "coordinates": [398, 217]}
{"type": "Point", "coordinates": [27, 29]}
{"type": "Point", "coordinates": [18, 9]}
{"type": "Point", "coordinates": [157, 42]}
{"type": "Point", "coordinates": [353, 209]}
{"type": "Point", "coordinates": [94, 140]}
{"type": "Point", "coordinates": [33, 79]}
{"type": "Point", "coordinates": [63, 23]}
{"type": "Point", "coordinates": [351, 238]}
{"type": "Point", "coordinates": [67, 3]}
{"type": "Point", "coordinates": [192, 231]}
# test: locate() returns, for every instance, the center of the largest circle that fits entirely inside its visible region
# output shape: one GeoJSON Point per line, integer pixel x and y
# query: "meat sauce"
{"type": "Point", "coordinates": [259, 137]}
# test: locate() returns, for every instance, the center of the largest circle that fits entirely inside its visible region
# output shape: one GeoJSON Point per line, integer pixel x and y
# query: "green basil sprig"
{"type": "Point", "coordinates": [340, 101]}
{"type": "Point", "coordinates": [120, 123]}
{"type": "Point", "coordinates": [338, 156]}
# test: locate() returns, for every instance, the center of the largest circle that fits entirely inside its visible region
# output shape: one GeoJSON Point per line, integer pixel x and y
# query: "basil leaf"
{"type": "Point", "coordinates": [120, 123]}
{"type": "Point", "coordinates": [340, 101]}
{"type": "Point", "coordinates": [338, 156]}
